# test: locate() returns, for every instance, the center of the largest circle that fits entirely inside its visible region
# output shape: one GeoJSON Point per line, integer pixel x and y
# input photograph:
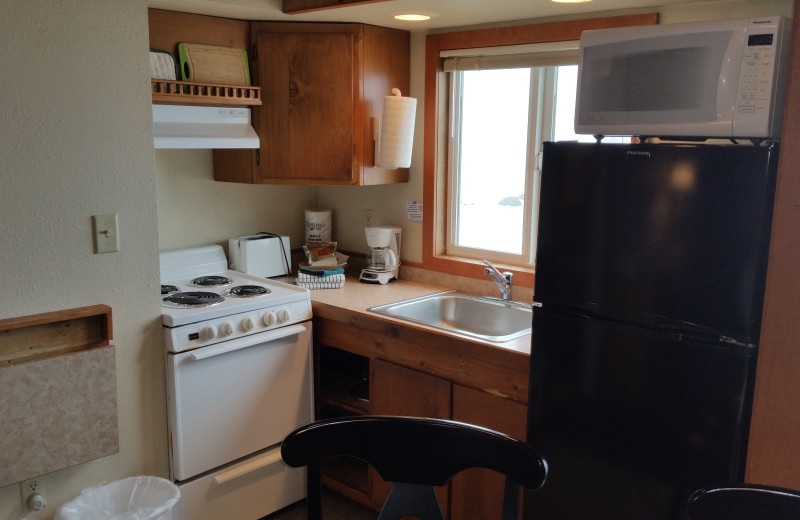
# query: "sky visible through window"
{"type": "Point", "coordinates": [494, 137]}
{"type": "Point", "coordinates": [494, 152]}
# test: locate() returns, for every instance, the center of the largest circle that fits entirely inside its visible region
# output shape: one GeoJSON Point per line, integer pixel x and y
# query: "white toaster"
{"type": "Point", "coordinates": [260, 255]}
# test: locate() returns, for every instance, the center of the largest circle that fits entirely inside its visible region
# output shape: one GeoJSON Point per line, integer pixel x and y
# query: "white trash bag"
{"type": "Point", "coordinates": [133, 498]}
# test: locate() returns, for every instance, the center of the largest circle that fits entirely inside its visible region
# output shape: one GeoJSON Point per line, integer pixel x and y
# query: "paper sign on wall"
{"type": "Point", "coordinates": [414, 211]}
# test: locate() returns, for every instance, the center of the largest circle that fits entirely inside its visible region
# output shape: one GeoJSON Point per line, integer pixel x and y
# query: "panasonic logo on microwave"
{"type": "Point", "coordinates": [640, 153]}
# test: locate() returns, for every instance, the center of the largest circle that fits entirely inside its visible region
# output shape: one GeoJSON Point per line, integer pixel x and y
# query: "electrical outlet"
{"type": "Point", "coordinates": [31, 488]}
{"type": "Point", "coordinates": [369, 218]}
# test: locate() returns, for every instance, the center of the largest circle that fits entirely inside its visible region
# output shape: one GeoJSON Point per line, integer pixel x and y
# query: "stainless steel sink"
{"type": "Point", "coordinates": [481, 317]}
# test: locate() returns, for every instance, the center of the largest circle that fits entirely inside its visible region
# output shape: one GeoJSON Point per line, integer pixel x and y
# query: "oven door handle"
{"type": "Point", "coordinates": [261, 338]}
{"type": "Point", "coordinates": [248, 467]}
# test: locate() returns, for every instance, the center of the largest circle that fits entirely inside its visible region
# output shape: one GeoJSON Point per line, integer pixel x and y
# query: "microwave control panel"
{"type": "Point", "coordinates": [759, 97]}
{"type": "Point", "coordinates": [755, 82]}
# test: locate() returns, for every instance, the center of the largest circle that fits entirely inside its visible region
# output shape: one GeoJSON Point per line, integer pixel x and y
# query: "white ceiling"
{"type": "Point", "coordinates": [449, 13]}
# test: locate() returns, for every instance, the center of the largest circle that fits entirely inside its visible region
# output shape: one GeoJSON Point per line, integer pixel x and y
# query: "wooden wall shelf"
{"type": "Point", "coordinates": [43, 336]}
{"type": "Point", "coordinates": [190, 93]}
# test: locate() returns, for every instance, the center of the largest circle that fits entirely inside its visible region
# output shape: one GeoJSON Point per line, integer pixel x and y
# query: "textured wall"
{"type": "Point", "coordinates": [75, 141]}
{"type": "Point", "coordinates": [194, 210]}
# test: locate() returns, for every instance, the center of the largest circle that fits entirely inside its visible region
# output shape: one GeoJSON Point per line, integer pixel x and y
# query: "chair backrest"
{"type": "Point", "coordinates": [415, 454]}
{"type": "Point", "coordinates": [744, 502]}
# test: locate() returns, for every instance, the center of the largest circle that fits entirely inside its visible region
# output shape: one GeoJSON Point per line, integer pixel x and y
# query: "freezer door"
{"type": "Point", "coordinates": [666, 233]}
{"type": "Point", "coordinates": [632, 421]}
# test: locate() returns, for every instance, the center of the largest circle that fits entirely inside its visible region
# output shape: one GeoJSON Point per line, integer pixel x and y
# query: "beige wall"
{"type": "Point", "coordinates": [75, 141]}
{"type": "Point", "coordinates": [194, 210]}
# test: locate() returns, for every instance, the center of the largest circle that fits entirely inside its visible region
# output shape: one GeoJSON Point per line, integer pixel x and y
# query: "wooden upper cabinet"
{"type": "Point", "coordinates": [322, 86]}
{"type": "Point", "coordinates": [308, 129]}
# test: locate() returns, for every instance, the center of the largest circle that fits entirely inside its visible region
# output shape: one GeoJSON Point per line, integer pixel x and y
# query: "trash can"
{"type": "Point", "coordinates": [133, 498]}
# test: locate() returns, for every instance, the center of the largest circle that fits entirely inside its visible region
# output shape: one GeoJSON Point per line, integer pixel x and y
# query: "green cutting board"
{"type": "Point", "coordinates": [211, 64]}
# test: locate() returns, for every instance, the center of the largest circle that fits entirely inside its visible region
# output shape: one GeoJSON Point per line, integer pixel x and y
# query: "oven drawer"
{"type": "Point", "coordinates": [244, 491]}
{"type": "Point", "coordinates": [238, 397]}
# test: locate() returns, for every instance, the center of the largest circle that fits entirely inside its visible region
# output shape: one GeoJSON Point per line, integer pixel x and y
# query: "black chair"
{"type": "Point", "coordinates": [744, 502]}
{"type": "Point", "coordinates": [415, 454]}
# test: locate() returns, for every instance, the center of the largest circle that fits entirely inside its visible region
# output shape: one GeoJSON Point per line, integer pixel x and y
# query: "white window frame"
{"type": "Point", "coordinates": [542, 58]}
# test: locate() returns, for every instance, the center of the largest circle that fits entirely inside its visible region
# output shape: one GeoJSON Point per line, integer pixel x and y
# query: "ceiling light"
{"type": "Point", "coordinates": [570, 1]}
{"type": "Point", "coordinates": [413, 17]}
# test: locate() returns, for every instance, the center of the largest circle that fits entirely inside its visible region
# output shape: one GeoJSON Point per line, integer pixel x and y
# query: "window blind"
{"type": "Point", "coordinates": [510, 57]}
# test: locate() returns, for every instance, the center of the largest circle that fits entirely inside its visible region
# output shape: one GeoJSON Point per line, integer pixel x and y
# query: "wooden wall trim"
{"type": "Point", "coordinates": [773, 454]}
{"type": "Point", "coordinates": [434, 153]}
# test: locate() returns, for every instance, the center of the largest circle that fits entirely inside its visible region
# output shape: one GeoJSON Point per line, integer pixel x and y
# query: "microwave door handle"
{"type": "Point", "coordinates": [260, 338]}
{"type": "Point", "coordinates": [239, 471]}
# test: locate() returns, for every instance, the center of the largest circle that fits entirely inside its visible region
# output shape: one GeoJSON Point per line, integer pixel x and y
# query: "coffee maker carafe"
{"type": "Point", "coordinates": [384, 257]}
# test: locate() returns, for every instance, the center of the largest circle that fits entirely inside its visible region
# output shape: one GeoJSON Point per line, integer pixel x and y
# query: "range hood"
{"type": "Point", "coordinates": [184, 126]}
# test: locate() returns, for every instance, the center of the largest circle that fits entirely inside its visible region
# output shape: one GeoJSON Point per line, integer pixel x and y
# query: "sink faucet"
{"type": "Point", "coordinates": [501, 280]}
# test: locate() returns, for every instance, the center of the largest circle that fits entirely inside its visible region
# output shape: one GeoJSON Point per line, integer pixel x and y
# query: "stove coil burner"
{"type": "Point", "coordinates": [247, 291]}
{"type": "Point", "coordinates": [211, 281]}
{"type": "Point", "coordinates": [168, 289]}
{"type": "Point", "coordinates": [193, 299]}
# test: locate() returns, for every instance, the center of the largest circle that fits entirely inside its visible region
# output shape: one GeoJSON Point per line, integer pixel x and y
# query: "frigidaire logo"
{"type": "Point", "coordinates": [641, 153]}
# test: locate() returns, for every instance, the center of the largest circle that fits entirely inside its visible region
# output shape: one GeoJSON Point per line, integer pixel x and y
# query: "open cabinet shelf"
{"type": "Point", "coordinates": [344, 391]}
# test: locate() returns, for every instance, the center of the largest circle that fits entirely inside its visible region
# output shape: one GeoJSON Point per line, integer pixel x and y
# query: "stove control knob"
{"type": "Point", "coordinates": [225, 329]}
{"type": "Point", "coordinates": [248, 324]}
{"type": "Point", "coordinates": [283, 315]}
{"type": "Point", "coordinates": [269, 319]}
{"type": "Point", "coordinates": [209, 332]}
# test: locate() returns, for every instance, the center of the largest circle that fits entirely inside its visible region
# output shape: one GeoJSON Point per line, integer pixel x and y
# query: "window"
{"type": "Point", "coordinates": [445, 216]}
{"type": "Point", "coordinates": [502, 107]}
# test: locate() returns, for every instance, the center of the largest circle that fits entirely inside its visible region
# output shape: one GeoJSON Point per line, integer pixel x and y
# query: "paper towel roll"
{"type": "Point", "coordinates": [318, 225]}
{"type": "Point", "coordinates": [397, 131]}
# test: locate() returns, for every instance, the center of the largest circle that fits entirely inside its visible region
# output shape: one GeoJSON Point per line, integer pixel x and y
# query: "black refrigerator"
{"type": "Point", "coordinates": [650, 269]}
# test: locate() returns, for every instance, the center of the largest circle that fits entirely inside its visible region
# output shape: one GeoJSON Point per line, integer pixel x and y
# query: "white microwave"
{"type": "Point", "coordinates": [701, 80]}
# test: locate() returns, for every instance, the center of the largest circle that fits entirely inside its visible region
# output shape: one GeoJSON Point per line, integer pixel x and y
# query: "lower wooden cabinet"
{"type": "Point", "coordinates": [395, 389]}
{"type": "Point", "coordinates": [478, 493]}
{"type": "Point", "coordinates": [398, 390]}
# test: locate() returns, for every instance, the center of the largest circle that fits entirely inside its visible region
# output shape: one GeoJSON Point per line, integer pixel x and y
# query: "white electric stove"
{"type": "Point", "coordinates": [239, 379]}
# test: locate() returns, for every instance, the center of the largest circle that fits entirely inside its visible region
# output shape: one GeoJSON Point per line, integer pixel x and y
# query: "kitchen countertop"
{"type": "Point", "coordinates": [357, 297]}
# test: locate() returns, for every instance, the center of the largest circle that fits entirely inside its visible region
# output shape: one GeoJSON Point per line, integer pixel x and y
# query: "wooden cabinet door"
{"type": "Point", "coordinates": [397, 390]}
{"type": "Point", "coordinates": [306, 122]}
{"type": "Point", "coordinates": [322, 89]}
{"type": "Point", "coordinates": [478, 493]}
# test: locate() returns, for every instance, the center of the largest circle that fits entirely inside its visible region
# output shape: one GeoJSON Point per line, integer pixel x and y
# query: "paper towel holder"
{"type": "Point", "coordinates": [402, 123]}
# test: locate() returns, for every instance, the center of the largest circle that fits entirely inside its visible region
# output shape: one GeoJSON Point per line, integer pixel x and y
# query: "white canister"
{"type": "Point", "coordinates": [318, 225]}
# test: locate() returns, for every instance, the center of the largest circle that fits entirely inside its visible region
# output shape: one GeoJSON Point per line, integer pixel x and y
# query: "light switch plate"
{"type": "Point", "coordinates": [106, 233]}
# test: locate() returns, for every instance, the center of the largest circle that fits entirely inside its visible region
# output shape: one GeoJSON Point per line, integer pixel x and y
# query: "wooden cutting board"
{"type": "Point", "coordinates": [211, 64]}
